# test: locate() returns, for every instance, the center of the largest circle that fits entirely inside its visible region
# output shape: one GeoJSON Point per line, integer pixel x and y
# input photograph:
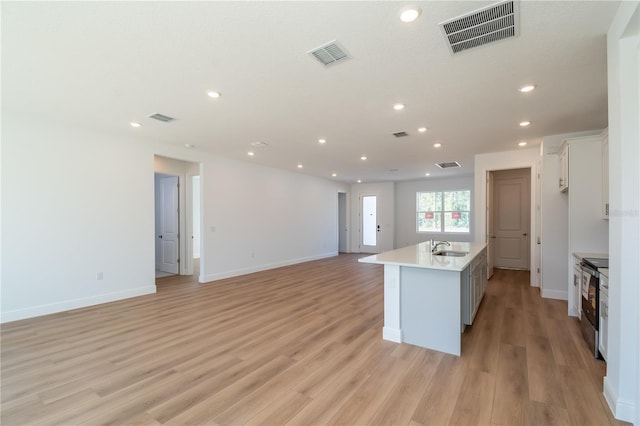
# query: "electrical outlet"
{"type": "Point", "coordinates": [100, 276]}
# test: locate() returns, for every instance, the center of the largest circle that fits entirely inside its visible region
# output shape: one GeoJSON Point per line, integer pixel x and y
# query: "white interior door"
{"type": "Point", "coordinates": [342, 222]}
{"type": "Point", "coordinates": [370, 224]}
{"type": "Point", "coordinates": [511, 219]}
{"type": "Point", "coordinates": [169, 225]}
{"type": "Point", "coordinates": [490, 236]}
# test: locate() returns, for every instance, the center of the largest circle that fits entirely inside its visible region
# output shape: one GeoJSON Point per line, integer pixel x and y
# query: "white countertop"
{"type": "Point", "coordinates": [579, 255]}
{"type": "Point", "coordinates": [419, 256]}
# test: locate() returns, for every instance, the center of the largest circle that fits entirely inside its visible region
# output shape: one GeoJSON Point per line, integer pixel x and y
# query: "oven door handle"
{"type": "Point", "coordinates": [589, 271]}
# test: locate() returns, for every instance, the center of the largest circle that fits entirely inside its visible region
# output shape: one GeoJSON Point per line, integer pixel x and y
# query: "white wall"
{"type": "Point", "coordinates": [255, 218]}
{"type": "Point", "coordinates": [406, 233]}
{"type": "Point", "coordinates": [622, 382]}
{"type": "Point", "coordinates": [78, 202]}
{"type": "Point", "coordinates": [75, 203]}
{"type": "Point", "coordinates": [518, 159]}
{"type": "Point", "coordinates": [386, 217]}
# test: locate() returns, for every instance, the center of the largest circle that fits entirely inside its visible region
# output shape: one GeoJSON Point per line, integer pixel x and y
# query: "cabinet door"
{"type": "Point", "coordinates": [603, 334]}
{"type": "Point", "coordinates": [477, 287]}
{"type": "Point", "coordinates": [474, 291]}
{"type": "Point", "coordinates": [563, 182]}
{"type": "Point", "coordinates": [577, 290]}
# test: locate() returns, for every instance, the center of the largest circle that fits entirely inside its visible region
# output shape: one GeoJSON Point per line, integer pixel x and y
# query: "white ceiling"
{"type": "Point", "coordinates": [102, 65]}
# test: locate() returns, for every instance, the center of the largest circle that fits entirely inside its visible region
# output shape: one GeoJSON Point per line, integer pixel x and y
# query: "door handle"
{"type": "Point", "coordinates": [159, 236]}
{"type": "Point", "coordinates": [524, 235]}
{"type": "Point", "coordinates": [378, 228]}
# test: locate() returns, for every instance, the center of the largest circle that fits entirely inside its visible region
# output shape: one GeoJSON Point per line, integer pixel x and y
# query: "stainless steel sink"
{"type": "Point", "coordinates": [451, 253]}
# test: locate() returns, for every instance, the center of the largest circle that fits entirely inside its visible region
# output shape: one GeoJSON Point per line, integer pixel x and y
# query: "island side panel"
{"type": "Point", "coordinates": [391, 330]}
{"type": "Point", "coordinates": [430, 308]}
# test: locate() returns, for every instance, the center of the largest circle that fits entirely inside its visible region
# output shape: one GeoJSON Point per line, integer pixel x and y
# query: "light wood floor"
{"type": "Point", "coordinates": [297, 345]}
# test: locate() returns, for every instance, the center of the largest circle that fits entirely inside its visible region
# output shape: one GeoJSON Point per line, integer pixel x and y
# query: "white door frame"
{"type": "Point", "coordinates": [507, 161]}
{"type": "Point", "coordinates": [186, 216]}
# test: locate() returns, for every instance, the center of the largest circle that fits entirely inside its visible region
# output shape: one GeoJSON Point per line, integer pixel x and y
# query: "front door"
{"type": "Point", "coordinates": [369, 227]}
{"type": "Point", "coordinates": [169, 225]}
{"type": "Point", "coordinates": [511, 218]}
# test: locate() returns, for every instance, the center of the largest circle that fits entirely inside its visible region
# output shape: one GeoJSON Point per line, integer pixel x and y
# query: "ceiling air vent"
{"type": "Point", "coordinates": [448, 165]}
{"type": "Point", "coordinates": [259, 144]}
{"type": "Point", "coordinates": [492, 23]}
{"type": "Point", "coordinates": [330, 53]}
{"type": "Point", "coordinates": [161, 117]}
{"type": "Point", "coordinates": [400, 134]}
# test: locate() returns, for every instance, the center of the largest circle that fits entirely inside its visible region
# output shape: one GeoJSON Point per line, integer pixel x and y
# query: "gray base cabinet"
{"type": "Point", "coordinates": [474, 283]}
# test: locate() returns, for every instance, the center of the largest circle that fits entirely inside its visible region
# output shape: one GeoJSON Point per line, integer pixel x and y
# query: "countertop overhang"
{"type": "Point", "coordinates": [420, 256]}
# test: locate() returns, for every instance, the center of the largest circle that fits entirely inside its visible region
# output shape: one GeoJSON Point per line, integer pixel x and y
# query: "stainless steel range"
{"type": "Point", "coordinates": [589, 322]}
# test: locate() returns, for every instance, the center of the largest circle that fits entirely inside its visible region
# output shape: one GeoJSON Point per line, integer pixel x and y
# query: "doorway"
{"type": "Point", "coordinates": [188, 249]}
{"type": "Point", "coordinates": [509, 218]}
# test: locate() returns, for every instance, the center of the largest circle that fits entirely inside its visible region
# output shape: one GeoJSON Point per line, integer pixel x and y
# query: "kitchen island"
{"type": "Point", "coordinates": [429, 298]}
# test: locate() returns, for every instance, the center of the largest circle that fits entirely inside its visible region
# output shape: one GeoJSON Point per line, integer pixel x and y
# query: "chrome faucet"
{"type": "Point", "coordinates": [434, 247]}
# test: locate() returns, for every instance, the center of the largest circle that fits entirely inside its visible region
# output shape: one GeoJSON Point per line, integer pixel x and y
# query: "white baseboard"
{"type": "Point", "coordinates": [68, 305]}
{"type": "Point", "coordinates": [392, 334]}
{"type": "Point", "coordinates": [554, 294]}
{"type": "Point", "coordinates": [622, 409]}
{"type": "Point", "coordinates": [263, 267]}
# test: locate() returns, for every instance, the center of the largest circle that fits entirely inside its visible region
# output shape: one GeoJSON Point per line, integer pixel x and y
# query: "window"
{"type": "Point", "coordinates": [443, 211]}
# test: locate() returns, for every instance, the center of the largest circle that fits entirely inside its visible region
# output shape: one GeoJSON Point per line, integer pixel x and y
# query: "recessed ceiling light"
{"type": "Point", "coordinates": [427, 174]}
{"type": "Point", "coordinates": [359, 181]}
{"type": "Point", "coordinates": [398, 107]}
{"type": "Point", "coordinates": [363, 158]}
{"type": "Point", "coordinates": [251, 153]}
{"type": "Point", "coordinates": [524, 123]}
{"type": "Point", "coordinates": [299, 166]}
{"type": "Point", "coordinates": [188, 145]}
{"type": "Point", "coordinates": [322, 141]}
{"type": "Point", "coordinates": [527, 88]}
{"type": "Point", "coordinates": [213, 94]}
{"type": "Point", "coordinates": [422, 129]}
{"type": "Point", "coordinates": [523, 143]}
{"type": "Point", "coordinates": [334, 174]}
{"type": "Point", "coordinates": [410, 14]}
{"type": "Point", "coordinates": [437, 145]}
{"type": "Point", "coordinates": [134, 124]}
